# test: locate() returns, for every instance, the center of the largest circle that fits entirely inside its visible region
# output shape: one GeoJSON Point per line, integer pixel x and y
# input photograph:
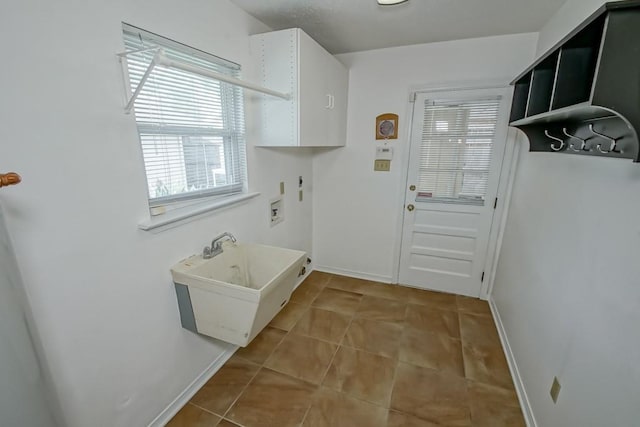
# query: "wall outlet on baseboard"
{"type": "Point", "coordinates": [555, 390]}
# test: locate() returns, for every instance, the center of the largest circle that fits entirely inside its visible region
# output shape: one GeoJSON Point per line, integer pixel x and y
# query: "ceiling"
{"type": "Point", "coordinates": [354, 25]}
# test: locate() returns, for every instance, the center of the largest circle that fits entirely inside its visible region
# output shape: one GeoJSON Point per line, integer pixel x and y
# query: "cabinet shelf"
{"type": "Point", "coordinates": [587, 81]}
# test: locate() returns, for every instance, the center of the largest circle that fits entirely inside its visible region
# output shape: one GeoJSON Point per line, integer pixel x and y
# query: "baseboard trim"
{"type": "Point", "coordinates": [355, 274]}
{"type": "Point", "coordinates": [527, 411]}
{"type": "Point", "coordinates": [183, 398]}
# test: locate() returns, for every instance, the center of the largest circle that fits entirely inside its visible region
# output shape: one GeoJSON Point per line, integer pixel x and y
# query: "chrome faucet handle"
{"type": "Point", "coordinates": [216, 245]}
{"type": "Point", "coordinates": [217, 241]}
{"type": "Point", "coordinates": [206, 252]}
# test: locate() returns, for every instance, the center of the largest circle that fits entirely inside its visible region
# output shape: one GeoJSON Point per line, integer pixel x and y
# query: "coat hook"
{"type": "Point", "coordinates": [553, 147]}
{"type": "Point", "coordinates": [583, 142]}
{"type": "Point", "coordinates": [613, 141]}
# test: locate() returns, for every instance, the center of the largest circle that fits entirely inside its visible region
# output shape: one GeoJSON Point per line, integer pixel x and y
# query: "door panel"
{"type": "Point", "coordinates": [443, 243]}
{"type": "Point", "coordinates": [449, 215]}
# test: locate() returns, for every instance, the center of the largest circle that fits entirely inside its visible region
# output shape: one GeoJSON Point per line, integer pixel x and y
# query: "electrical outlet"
{"type": "Point", "coordinates": [555, 390]}
{"type": "Point", "coordinates": [382, 165]}
{"type": "Point", "coordinates": [281, 187]}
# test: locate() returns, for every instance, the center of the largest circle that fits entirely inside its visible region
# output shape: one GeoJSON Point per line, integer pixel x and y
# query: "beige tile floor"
{"type": "Point", "coordinates": [349, 352]}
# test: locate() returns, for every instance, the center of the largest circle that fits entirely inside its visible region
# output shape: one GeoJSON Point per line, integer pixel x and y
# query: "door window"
{"type": "Point", "coordinates": [455, 150]}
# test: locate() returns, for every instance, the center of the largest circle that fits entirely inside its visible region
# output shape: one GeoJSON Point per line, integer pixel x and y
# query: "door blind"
{"type": "Point", "coordinates": [191, 127]}
{"type": "Point", "coordinates": [455, 151]}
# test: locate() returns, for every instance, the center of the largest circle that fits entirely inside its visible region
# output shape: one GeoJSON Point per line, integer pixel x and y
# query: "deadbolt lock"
{"type": "Point", "coordinates": [412, 187]}
{"type": "Point", "coordinates": [410, 208]}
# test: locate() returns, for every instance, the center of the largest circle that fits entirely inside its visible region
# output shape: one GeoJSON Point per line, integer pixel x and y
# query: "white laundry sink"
{"type": "Point", "coordinates": [235, 294]}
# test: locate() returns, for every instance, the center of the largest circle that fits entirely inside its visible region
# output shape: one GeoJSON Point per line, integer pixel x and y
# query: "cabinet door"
{"type": "Point", "coordinates": [277, 55]}
{"type": "Point", "coordinates": [338, 84]}
{"type": "Point", "coordinates": [314, 98]}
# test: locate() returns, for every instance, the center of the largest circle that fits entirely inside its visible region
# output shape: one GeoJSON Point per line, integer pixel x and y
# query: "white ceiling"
{"type": "Point", "coordinates": [354, 25]}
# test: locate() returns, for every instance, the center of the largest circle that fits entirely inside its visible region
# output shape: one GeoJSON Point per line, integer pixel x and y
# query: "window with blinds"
{"type": "Point", "coordinates": [455, 151]}
{"type": "Point", "coordinates": [191, 127]}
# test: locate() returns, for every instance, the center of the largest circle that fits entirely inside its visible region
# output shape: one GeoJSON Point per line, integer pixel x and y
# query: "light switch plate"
{"type": "Point", "coordinates": [384, 153]}
{"type": "Point", "coordinates": [382, 165]}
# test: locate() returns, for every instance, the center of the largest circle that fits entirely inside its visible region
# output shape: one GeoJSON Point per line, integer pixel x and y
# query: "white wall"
{"type": "Point", "coordinates": [567, 287]}
{"type": "Point", "coordinates": [569, 16]}
{"type": "Point", "coordinates": [100, 288]}
{"type": "Point", "coordinates": [357, 210]}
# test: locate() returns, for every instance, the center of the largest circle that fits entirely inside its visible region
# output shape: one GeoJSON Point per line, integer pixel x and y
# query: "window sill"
{"type": "Point", "coordinates": [188, 213]}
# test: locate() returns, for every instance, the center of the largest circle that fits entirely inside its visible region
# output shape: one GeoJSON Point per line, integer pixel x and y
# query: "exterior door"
{"type": "Point", "coordinates": [457, 147]}
{"type": "Point", "coordinates": [23, 398]}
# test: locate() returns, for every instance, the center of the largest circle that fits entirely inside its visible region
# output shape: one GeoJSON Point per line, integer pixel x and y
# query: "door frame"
{"type": "Point", "coordinates": [505, 183]}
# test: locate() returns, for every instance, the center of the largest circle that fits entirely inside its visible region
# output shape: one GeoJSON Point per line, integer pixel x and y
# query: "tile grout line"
{"type": "Point", "coordinates": [408, 329]}
{"type": "Point", "coordinates": [464, 358]}
{"type": "Point", "coordinates": [395, 371]}
{"type": "Point", "coordinates": [464, 364]}
{"type": "Point", "coordinates": [304, 418]}
{"type": "Point", "coordinates": [364, 293]}
{"type": "Point", "coordinates": [464, 379]}
{"type": "Point", "coordinates": [260, 367]}
{"type": "Point", "coordinates": [290, 331]}
{"type": "Point", "coordinates": [203, 409]}
{"type": "Point", "coordinates": [462, 342]}
{"type": "Point", "coordinates": [334, 354]}
{"type": "Point", "coordinates": [284, 337]}
{"type": "Point", "coordinates": [242, 391]}
{"type": "Point", "coordinates": [324, 375]}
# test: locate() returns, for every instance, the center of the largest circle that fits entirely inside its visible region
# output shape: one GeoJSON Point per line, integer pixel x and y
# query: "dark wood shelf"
{"type": "Point", "coordinates": [520, 98]}
{"type": "Point", "coordinates": [602, 11]}
{"type": "Point", "coordinates": [577, 66]}
{"type": "Point", "coordinates": [588, 80]}
{"type": "Point", "coordinates": [542, 86]}
{"type": "Point", "coordinates": [573, 113]}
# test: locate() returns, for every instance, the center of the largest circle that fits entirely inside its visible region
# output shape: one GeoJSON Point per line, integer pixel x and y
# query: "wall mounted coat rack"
{"type": "Point", "coordinates": [582, 96]}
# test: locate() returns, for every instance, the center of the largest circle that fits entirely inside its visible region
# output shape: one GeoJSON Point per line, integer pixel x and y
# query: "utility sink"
{"type": "Point", "coordinates": [235, 294]}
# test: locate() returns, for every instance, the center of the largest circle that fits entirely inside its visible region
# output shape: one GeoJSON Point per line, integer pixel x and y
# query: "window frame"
{"type": "Point", "coordinates": [233, 137]}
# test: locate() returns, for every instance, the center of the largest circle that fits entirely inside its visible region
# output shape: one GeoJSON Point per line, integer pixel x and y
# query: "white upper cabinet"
{"type": "Point", "coordinates": [316, 115]}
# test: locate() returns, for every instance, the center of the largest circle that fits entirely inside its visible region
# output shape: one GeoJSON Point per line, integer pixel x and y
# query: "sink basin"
{"type": "Point", "coordinates": [235, 294]}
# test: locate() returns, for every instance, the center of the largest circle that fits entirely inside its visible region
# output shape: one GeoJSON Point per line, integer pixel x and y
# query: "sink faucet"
{"type": "Point", "coordinates": [216, 245]}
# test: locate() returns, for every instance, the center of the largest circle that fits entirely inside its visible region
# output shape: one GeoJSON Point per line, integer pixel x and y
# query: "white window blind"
{"type": "Point", "coordinates": [191, 127]}
{"type": "Point", "coordinates": [455, 152]}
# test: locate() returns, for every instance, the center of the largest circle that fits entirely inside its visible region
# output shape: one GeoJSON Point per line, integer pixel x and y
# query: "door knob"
{"type": "Point", "coordinates": [410, 208]}
{"type": "Point", "coordinates": [412, 187]}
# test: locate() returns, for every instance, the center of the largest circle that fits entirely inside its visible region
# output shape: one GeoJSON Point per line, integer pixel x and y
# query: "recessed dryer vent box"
{"type": "Point", "coordinates": [276, 211]}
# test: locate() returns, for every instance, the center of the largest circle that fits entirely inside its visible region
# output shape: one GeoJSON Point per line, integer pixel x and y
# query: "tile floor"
{"type": "Point", "coordinates": [349, 352]}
